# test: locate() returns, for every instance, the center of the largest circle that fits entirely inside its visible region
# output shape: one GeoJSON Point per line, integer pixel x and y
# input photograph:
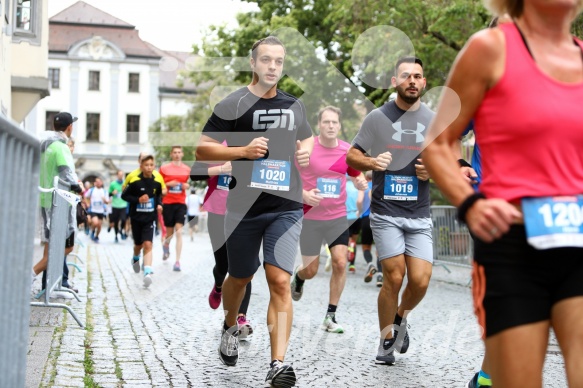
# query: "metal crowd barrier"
{"type": "Point", "coordinates": [452, 243]}
{"type": "Point", "coordinates": [20, 165]}
{"type": "Point", "coordinates": [58, 233]}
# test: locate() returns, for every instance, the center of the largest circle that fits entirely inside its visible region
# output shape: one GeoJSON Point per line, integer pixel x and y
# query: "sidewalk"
{"type": "Point", "coordinates": [168, 336]}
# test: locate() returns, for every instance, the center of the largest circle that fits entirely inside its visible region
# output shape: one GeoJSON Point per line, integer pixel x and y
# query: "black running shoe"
{"type": "Point", "coordinates": [402, 342]}
{"type": "Point", "coordinates": [280, 376]}
{"type": "Point", "coordinates": [229, 347]}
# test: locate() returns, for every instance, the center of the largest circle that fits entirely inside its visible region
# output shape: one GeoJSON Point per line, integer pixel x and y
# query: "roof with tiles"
{"type": "Point", "coordinates": [82, 21]}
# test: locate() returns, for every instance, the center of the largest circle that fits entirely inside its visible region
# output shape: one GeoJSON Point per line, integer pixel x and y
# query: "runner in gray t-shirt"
{"type": "Point", "coordinates": [400, 221]}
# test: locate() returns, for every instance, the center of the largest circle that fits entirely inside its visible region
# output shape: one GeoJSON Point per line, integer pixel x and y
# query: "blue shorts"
{"type": "Point", "coordinates": [279, 231]}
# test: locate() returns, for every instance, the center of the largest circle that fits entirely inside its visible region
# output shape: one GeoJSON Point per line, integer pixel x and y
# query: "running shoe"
{"type": "Point", "coordinates": [166, 250]}
{"type": "Point", "coordinates": [281, 376]}
{"type": "Point", "coordinates": [402, 342]}
{"type": "Point", "coordinates": [370, 271]}
{"type": "Point", "coordinates": [147, 280]}
{"type": "Point", "coordinates": [380, 280]}
{"type": "Point", "coordinates": [475, 382]}
{"type": "Point", "coordinates": [215, 298]}
{"type": "Point", "coordinates": [245, 329]}
{"type": "Point", "coordinates": [351, 268]}
{"type": "Point", "coordinates": [296, 290]}
{"type": "Point", "coordinates": [116, 240]}
{"type": "Point", "coordinates": [331, 326]}
{"type": "Point", "coordinates": [229, 347]}
{"type": "Point", "coordinates": [136, 264]}
{"type": "Point", "coordinates": [385, 355]}
{"type": "Point", "coordinates": [328, 265]}
{"type": "Point", "coordinates": [176, 267]}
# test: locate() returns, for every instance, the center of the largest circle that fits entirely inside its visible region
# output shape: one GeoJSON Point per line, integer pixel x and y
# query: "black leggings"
{"type": "Point", "coordinates": [216, 228]}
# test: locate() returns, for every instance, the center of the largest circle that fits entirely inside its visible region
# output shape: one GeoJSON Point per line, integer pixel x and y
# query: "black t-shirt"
{"type": "Point", "coordinates": [397, 192]}
{"type": "Point", "coordinates": [267, 185]}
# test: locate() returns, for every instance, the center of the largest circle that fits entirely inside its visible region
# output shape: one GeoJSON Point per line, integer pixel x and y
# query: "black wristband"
{"type": "Point", "coordinates": [463, 163]}
{"type": "Point", "coordinates": [463, 208]}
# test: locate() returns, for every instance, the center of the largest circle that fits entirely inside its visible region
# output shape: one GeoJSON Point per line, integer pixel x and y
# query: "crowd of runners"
{"type": "Point", "coordinates": [272, 184]}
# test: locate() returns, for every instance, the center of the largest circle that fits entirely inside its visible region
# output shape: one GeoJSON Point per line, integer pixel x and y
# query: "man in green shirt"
{"type": "Point", "coordinates": [118, 207]}
{"type": "Point", "coordinates": [56, 160]}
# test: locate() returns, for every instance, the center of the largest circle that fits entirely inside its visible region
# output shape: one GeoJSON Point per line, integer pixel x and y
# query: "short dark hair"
{"type": "Point", "coordinates": [331, 108]}
{"type": "Point", "coordinates": [271, 40]}
{"type": "Point", "coordinates": [407, 59]}
{"type": "Point", "coordinates": [147, 157]}
{"type": "Point", "coordinates": [175, 146]}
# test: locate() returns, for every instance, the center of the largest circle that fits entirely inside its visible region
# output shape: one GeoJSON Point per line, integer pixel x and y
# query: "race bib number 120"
{"type": "Point", "coordinates": [554, 222]}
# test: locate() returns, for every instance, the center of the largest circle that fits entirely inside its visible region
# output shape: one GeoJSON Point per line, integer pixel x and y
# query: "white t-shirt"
{"type": "Point", "coordinates": [193, 203]}
{"type": "Point", "coordinates": [96, 196]}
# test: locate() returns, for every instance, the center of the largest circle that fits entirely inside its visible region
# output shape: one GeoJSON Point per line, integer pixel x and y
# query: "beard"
{"type": "Point", "coordinates": [407, 98]}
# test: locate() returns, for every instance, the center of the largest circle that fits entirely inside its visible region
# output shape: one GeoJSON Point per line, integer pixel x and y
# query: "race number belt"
{"type": "Point", "coordinates": [271, 174]}
{"type": "Point", "coordinates": [554, 222]}
{"type": "Point", "coordinates": [401, 187]}
{"type": "Point", "coordinates": [329, 187]}
{"type": "Point", "coordinates": [146, 207]}
{"type": "Point", "coordinates": [223, 182]}
{"type": "Point", "coordinates": [176, 189]}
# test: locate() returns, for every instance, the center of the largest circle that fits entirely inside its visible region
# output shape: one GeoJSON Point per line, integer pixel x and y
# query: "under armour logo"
{"type": "Point", "coordinates": [273, 118]}
{"type": "Point", "coordinates": [419, 138]}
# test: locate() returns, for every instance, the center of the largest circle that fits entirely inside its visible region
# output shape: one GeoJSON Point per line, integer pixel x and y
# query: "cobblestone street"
{"type": "Point", "coordinates": [168, 336]}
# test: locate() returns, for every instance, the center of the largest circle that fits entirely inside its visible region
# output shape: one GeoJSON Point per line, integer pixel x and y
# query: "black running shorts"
{"type": "Point", "coordinates": [354, 226]}
{"type": "Point", "coordinates": [174, 213]}
{"type": "Point", "coordinates": [515, 284]}
{"type": "Point", "coordinates": [142, 231]}
{"type": "Point", "coordinates": [118, 214]}
{"type": "Point", "coordinates": [366, 232]}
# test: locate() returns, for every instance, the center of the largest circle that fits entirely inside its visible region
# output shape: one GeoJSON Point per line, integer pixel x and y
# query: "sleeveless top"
{"type": "Point", "coordinates": [530, 130]}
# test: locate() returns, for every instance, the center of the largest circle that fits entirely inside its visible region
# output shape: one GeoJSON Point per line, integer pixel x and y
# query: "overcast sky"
{"type": "Point", "coordinates": [168, 25]}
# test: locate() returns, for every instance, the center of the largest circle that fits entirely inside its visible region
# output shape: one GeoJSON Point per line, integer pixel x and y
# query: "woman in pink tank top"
{"type": "Point", "coordinates": [523, 84]}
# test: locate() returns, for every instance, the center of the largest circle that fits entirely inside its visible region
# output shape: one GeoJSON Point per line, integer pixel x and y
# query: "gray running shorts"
{"type": "Point", "coordinates": [280, 233]}
{"type": "Point", "coordinates": [394, 236]}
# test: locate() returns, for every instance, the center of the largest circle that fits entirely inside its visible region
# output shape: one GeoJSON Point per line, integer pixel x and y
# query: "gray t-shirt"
{"type": "Point", "coordinates": [397, 192]}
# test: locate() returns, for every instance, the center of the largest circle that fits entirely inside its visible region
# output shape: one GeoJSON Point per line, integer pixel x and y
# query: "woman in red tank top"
{"type": "Point", "coordinates": [523, 84]}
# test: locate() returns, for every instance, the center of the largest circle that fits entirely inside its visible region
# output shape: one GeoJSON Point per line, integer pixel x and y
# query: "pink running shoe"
{"type": "Point", "coordinates": [215, 298]}
{"type": "Point", "coordinates": [245, 329]}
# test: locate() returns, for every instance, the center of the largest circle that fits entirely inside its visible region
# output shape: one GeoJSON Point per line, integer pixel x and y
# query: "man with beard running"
{"type": "Point", "coordinates": [400, 220]}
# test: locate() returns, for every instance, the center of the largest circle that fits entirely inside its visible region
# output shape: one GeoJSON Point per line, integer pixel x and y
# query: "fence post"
{"type": "Point", "coordinates": [452, 242]}
{"type": "Point", "coordinates": [20, 165]}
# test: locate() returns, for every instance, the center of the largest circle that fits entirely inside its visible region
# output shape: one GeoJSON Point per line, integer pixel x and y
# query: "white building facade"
{"type": "Point", "coordinates": [103, 73]}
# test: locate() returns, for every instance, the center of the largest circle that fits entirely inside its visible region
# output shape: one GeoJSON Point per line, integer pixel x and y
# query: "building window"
{"type": "Point", "coordinates": [26, 20]}
{"type": "Point", "coordinates": [133, 129]}
{"type": "Point", "coordinates": [134, 84]}
{"type": "Point", "coordinates": [50, 118]}
{"type": "Point", "coordinates": [55, 78]}
{"type": "Point", "coordinates": [93, 80]}
{"type": "Point", "coordinates": [92, 127]}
